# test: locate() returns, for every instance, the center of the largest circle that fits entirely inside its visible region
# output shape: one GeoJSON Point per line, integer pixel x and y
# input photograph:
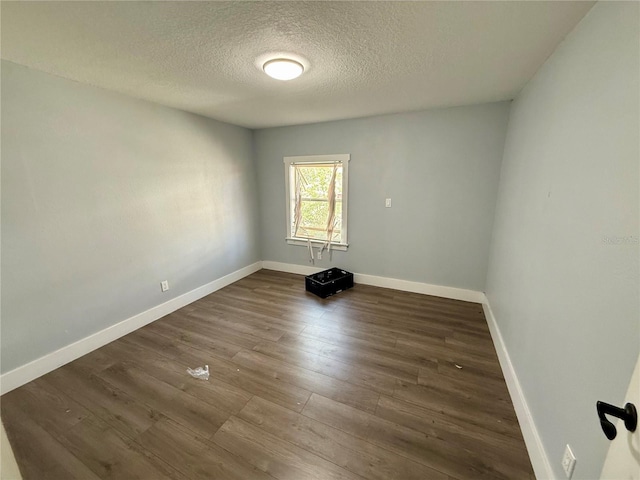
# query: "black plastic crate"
{"type": "Point", "coordinates": [328, 282]}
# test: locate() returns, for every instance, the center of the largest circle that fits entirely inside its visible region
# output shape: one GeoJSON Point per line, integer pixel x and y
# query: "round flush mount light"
{"type": "Point", "coordinates": [283, 68]}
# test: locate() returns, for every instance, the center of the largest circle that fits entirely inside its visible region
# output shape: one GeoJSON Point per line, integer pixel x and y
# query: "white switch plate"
{"type": "Point", "coordinates": [387, 203]}
{"type": "Point", "coordinates": [568, 461]}
{"type": "Point", "coordinates": [164, 286]}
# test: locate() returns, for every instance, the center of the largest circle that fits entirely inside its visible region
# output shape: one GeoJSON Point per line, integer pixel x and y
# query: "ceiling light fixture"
{"type": "Point", "coordinates": [283, 68]}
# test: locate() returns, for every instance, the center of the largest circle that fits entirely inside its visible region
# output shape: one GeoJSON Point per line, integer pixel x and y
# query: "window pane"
{"type": "Point", "coordinates": [313, 223]}
{"type": "Point", "coordinates": [312, 184]}
{"type": "Point", "coordinates": [314, 181]}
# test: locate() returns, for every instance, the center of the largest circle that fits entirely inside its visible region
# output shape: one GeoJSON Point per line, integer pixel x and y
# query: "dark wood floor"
{"type": "Point", "coordinates": [368, 384]}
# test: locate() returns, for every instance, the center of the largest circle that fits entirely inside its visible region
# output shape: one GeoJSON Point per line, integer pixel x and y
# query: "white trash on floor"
{"type": "Point", "coordinates": [201, 373]}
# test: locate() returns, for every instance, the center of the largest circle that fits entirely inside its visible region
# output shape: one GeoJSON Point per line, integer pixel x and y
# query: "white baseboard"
{"type": "Point", "coordinates": [32, 370]}
{"type": "Point", "coordinates": [417, 287]}
{"type": "Point", "coordinates": [385, 282]}
{"type": "Point", "coordinates": [291, 268]}
{"type": "Point", "coordinates": [537, 453]}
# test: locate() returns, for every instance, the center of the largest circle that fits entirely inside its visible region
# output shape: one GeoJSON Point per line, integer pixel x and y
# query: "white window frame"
{"type": "Point", "coordinates": [337, 158]}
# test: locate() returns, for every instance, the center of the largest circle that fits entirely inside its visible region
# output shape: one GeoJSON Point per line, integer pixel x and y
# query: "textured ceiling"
{"type": "Point", "coordinates": [362, 58]}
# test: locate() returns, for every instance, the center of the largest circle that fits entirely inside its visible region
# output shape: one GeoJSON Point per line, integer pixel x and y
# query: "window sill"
{"type": "Point", "coordinates": [316, 243]}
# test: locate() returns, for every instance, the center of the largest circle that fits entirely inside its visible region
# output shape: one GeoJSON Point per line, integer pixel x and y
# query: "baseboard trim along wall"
{"type": "Point", "coordinates": [537, 453]}
{"type": "Point", "coordinates": [385, 282]}
{"type": "Point", "coordinates": [32, 370]}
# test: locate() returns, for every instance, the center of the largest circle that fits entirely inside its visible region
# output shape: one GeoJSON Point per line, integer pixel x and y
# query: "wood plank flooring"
{"type": "Point", "coordinates": [369, 384]}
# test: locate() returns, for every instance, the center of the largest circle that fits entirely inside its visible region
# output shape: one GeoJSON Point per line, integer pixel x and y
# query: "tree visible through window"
{"type": "Point", "coordinates": [316, 194]}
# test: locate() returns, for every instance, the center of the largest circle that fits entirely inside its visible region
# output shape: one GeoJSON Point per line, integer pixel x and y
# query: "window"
{"type": "Point", "coordinates": [316, 188]}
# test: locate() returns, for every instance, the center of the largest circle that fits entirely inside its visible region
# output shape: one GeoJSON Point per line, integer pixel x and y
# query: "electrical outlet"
{"type": "Point", "coordinates": [320, 255]}
{"type": "Point", "coordinates": [164, 286]}
{"type": "Point", "coordinates": [568, 461]}
{"type": "Point", "coordinates": [387, 203]}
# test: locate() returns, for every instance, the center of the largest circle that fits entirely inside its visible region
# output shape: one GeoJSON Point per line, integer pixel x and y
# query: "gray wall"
{"type": "Point", "coordinates": [441, 169]}
{"type": "Point", "coordinates": [563, 276]}
{"type": "Point", "coordinates": [103, 197]}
